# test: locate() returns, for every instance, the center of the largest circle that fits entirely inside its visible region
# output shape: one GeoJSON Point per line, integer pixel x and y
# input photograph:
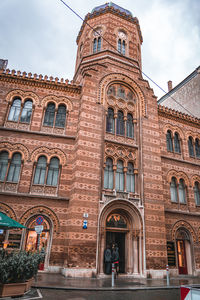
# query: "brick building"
{"type": "Point", "coordinates": [98, 161]}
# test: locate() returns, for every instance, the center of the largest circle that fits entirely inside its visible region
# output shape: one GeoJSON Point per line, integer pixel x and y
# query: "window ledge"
{"type": "Point", "coordinates": [26, 195]}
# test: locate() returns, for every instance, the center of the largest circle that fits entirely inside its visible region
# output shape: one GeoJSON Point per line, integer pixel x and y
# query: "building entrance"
{"type": "Point", "coordinates": [182, 261]}
{"type": "Point", "coordinates": [119, 239]}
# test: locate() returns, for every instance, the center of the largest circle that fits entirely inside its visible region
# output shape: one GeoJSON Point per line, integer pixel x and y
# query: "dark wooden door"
{"type": "Point", "coordinates": [182, 261]}
{"type": "Point", "coordinates": [119, 239]}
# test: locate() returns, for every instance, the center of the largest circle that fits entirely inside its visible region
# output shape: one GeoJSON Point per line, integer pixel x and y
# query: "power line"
{"type": "Point", "coordinates": [122, 55]}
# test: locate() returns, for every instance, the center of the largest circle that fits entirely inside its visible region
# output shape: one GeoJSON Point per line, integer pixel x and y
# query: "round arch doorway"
{"type": "Point", "coordinates": [184, 255]}
{"type": "Point", "coordinates": [121, 224]}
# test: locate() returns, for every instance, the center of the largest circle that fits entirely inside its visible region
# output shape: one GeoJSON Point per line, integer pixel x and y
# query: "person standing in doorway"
{"type": "Point", "coordinates": [115, 258]}
{"type": "Point", "coordinates": [107, 260]}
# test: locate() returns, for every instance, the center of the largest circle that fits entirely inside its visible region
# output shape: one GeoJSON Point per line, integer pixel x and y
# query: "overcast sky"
{"type": "Point", "coordinates": [39, 36]}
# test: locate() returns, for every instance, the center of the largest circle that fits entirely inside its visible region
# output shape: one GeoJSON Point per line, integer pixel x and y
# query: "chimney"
{"type": "Point", "coordinates": [169, 85]}
{"type": "Point", "coordinates": [3, 64]}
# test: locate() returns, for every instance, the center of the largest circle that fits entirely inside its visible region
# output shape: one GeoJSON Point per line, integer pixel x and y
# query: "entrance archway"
{"type": "Point", "coordinates": [121, 223]}
{"type": "Point", "coordinates": [184, 256]}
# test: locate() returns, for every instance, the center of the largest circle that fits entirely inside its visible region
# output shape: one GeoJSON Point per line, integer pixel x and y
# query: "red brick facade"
{"type": "Point", "coordinates": [83, 187]}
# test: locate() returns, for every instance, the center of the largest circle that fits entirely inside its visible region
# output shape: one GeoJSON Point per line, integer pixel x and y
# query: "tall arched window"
{"type": "Point", "coordinates": [3, 165]}
{"type": "Point", "coordinates": [108, 174]}
{"type": "Point", "coordinates": [169, 141]}
{"type": "Point", "coordinates": [40, 170]}
{"type": "Point", "coordinates": [99, 44]}
{"type": "Point", "coordinates": [119, 45]}
{"type": "Point", "coordinates": [123, 48]}
{"type": "Point", "coordinates": [173, 190]}
{"type": "Point", "coordinates": [53, 172]}
{"type": "Point", "coordinates": [110, 121]}
{"type": "Point", "coordinates": [14, 168]}
{"type": "Point", "coordinates": [191, 146]}
{"type": "Point", "coordinates": [197, 148]}
{"type": "Point", "coordinates": [95, 45]}
{"type": "Point", "coordinates": [130, 178]}
{"type": "Point", "coordinates": [49, 115]}
{"type": "Point", "coordinates": [61, 116]}
{"type": "Point", "coordinates": [120, 176]}
{"type": "Point", "coordinates": [129, 126]}
{"type": "Point", "coordinates": [197, 193]}
{"type": "Point", "coordinates": [26, 112]}
{"type": "Point", "coordinates": [120, 123]}
{"type": "Point", "coordinates": [15, 110]}
{"type": "Point", "coordinates": [181, 191]}
{"type": "Point", "coordinates": [177, 147]}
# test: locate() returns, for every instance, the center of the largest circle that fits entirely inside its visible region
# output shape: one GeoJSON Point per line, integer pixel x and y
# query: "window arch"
{"type": "Point", "coordinates": [197, 148]}
{"type": "Point", "coordinates": [61, 116]}
{"type": "Point", "coordinates": [40, 170]}
{"type": "Point", "coordinates": [15, 110]}
{"type": "Point", "coordinates": [169, 141]}
{"type": "Point", "coordinates": [14, 168]}
{"type": "Point", "coordinates": [110, 121]}
{"type": "Point", "coordinates": [129, 126]}
{"type": "Point", "coordinates": [120, 176]}
{"type": "Point", "coordinates": [53, 172]}
{"type": "Point", "coordinates": [173, 190]}
{"type": "Point", "coordinates": [3, 165]}
{"type": "Point", "coordinates": [130, 178]}
{"type": "Point", "coordinates": [108, 174]}
{"type": "Point", "coordinates": [177, 147]}
{"type": "Point", "coordinates": [26, 111]}
{"type": "Point", "coordinates": [120, 123]}
{"type": "Point", "coordinates": [191, 146]}
{"type": "Point", "coordinates": [197, 193]}
{"type": "Point", "coordinates": [49, 115]}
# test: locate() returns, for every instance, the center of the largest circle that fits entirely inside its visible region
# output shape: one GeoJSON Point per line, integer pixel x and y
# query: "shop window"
{"type": "Point", "coordinates": [108, 174]}
{"type": "Point", "coordinates": [130, 178]}
{"type": "Point", "coordinates": [129, 126]}
{"type": "Point", "coordinates": [110, 121]}
{"type": "Point", "coordinates": [197, 193]}
{"type": "Point", "coordinates": [120, 176]}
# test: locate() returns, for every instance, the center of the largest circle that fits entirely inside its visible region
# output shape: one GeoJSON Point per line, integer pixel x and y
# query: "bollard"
{"type": "Point", "coordinates": [113, 274]}
{"type": "Point", "coordinates": [167, 270]}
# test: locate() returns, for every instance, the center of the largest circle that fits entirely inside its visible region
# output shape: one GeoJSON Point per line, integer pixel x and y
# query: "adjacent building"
{"type": "Point", "coordinates": [97, 161]}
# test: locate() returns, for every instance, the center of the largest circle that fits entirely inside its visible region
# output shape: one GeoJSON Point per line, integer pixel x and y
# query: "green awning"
{"type": "Point", "coordinates": [8, 223]}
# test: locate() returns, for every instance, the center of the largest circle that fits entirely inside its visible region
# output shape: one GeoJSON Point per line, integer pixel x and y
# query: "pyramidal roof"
{"type": "Point", "coordinates": [115, 6]}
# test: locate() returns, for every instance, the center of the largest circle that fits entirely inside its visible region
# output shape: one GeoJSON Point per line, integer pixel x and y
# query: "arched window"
{"type": "Point", "coordinates": [53, 172]}
{"type": "Point", "coordinates": [197, 193]}
{"type": "Point", "coordinates": [197, 148]}
{"type": "Point", "coordinates": [123, 48]}
{"type": "Point", "coordinates": [14, 168]}
{"type": "Point", "coordinates": [129, 126]}
{"type": "Point", "coordinates": [169, 141]}
{"type": "Point", "coordinates": [61, 116]}
{"type": "Point", "coordinates": [173, 190]}
{"type": "Point", "coordinates": [3, 164]}
{"type": "Point", "coordinates": [181, 191]}
{"type": "Point", "coordinates": [119, 45]}
{"type": "Point", "coordinates": [49, 115]}
{"type": "Point", "coordinates": [120, 123]}
{"type": "Point", "coordinates": [130, 178]}
{"type": "Point", "coordinates": [190, 146]}
{"type": "Point", "coordinates": [26, 112]}
{"type": "Point", "coordinates": [110, 121]}
{"type": "Point", "coordinates": [95, 45]}
{"type": "Point", "coordinates": [40, 170]}
{"type": "Point", "coordinates": [15, 110]}
{"type": "Point", "coordinates": [120, 176]}
{"type": "Point", "coordinates": [99, 44]}
{"type": "Point", "coordinates": [108, 174]}
{"type": "Point", "coordinates": [177, 147]}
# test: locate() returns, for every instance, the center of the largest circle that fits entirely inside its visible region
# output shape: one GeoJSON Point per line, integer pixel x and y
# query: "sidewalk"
{"type": "Point", "coordinates": [58, 281]}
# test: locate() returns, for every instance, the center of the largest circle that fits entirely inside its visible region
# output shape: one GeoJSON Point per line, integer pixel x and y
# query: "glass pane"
{"type": "Point", "coordinates": [120, 45]}
{"type": "Point", "coordinates": [129, 126]}
{"type": "Point", "coordinates": [181, 191]}
{"type": "Point", "coordinates": [95, 45]}
{"type": "Point", "coordinates": [3, 164]}
{"type": "Point", "coordinates": [108, 174]}
{"type": "Point", "coordinates": [120, 123]}
{"type": "Point", "coordinates": [99, 44]}
{"type": "Point", "coordinates": [169, 141]}
{"type": "Point", "coordinates": [190, 146]}
{"type": "Point", "coordinates": [176, 143]}
{"type": "Point", "coordinates": [197, 148]}
{"type": "Point", "coordinates": [110, 122]}
{"type": "Point", "coordinates": [116, 220]}
{"type": "Point", "coordinates": [52, 177]}
{"type": "Point", "coordinates": [40, 170]}
{"type": "Point", "coordinates": [130, 186]}
{"type": "Point", "coordinates": [61, 116]}
{"type": "Point", "coordinates": [197, 193]}
{"type": "Point", "coordinates": [15, 110]}
{"type": "Point", "coordinates": [26, 112]}
{"type": "Point", "coordinates": [49, 115]}
{"type": "Point", "coordinates": [173, 190]}
{"type": "Point", "coordinates": [120, 176]}
{"type": "Point", "coordinates": [123, 48]}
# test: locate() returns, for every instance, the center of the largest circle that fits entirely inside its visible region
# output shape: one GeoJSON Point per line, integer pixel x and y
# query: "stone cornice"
{"type": "Point", "coordinates": [174, 115]}
{"type": "Point", "coordinates": [196, 164]}
{"type": "Point", "coordinates": [34, 196]}
{"type": "Point", "coordinates": [182, 212]}
{"type": "Point", "coordinates": [114, 11]}
{"type": "Point", "coordinates": [39, 81]}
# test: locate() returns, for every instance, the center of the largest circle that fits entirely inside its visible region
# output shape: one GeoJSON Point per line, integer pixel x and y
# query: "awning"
{"type": "Point", "coordinates": [8, 223]}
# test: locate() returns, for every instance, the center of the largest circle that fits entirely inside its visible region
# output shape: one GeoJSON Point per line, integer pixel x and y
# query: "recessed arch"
{"type": "Point", "coordinates": [183, 224]}
{"type": "Point", "coordinates": [57, 101]}
{"type": "Point", "coordinates": [49, 153]}
{"type": "Point", "coordinates": [24, 95]}
{"type": "Point", "coordinates": [8, 210]}
{"type": "Point", "coordinates": [10, 148]}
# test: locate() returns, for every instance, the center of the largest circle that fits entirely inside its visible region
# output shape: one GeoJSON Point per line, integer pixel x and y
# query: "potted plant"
{"type": "Point", "coordinates": [16, 268]}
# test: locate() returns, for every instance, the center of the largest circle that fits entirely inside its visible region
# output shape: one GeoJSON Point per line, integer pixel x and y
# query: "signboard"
{"type": "Point", "coordinates": [85, 224]}
{"type": "Point", "coordinates": [171, 254]}
{"type": "Point", "coordinates": [39, 220]}
{"type": "Point", "coordinates": [39, 229]}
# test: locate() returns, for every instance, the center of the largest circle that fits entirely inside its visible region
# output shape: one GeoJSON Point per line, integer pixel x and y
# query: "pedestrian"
{"type": "Point", "coordinates": [107, 260]}
{"type": "Point", "coordinates": [115, 258]}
